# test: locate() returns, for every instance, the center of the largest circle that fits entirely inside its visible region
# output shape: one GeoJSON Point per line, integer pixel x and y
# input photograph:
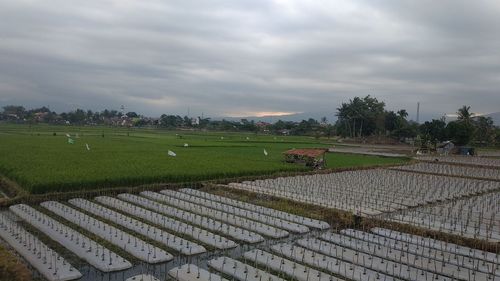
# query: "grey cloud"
{"type": "Point", "coordinates": [221, 57]}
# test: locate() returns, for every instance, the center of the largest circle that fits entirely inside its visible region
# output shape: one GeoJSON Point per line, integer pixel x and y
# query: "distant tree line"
{"type": "Point", "coordinates": [358, 118]}
{"type": "Point", "coordinates": [364, 117]}
{"type": "Point", "coordinates": [18, 114]}
{"type": "Point", "coordinates": [467, 129]}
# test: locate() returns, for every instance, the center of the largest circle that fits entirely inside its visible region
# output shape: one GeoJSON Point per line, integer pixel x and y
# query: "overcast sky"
{"type": "Point", "coordinates": [250, 57]}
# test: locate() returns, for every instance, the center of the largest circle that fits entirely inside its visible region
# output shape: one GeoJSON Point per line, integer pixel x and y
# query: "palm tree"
{"type": "Point", "coordinates": [464, 115]}
{"type": "Point", "coordinates": [403, 113]}
{"type": "Point", "coordinates": [343, 114]}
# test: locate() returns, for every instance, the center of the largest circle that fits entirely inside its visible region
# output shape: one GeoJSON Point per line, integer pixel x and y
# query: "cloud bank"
{"type": "Point", "coordinates": [229, 58]}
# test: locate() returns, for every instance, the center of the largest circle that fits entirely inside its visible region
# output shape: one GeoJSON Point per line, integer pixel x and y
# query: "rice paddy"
{"type": "Point", "coordinates": [41, 160]}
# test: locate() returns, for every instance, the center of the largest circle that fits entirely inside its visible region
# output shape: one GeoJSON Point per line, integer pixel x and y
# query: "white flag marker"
{"type": "Point", "coordinates": [265, 152]}
{"type": "Point", "coordinates": [87, 145]}
{"type": "Point", "coordinates": [171, 153]}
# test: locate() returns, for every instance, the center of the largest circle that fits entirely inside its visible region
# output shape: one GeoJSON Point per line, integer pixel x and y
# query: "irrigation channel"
{"type": "Point", "coordinates": [191, 235]}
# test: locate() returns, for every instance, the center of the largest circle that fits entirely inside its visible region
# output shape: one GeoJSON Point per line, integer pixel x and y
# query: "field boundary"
{"type": "Point", "coordinates": [10, 189]}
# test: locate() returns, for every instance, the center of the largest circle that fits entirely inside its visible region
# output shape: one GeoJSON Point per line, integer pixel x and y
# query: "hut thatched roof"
{"type": "Point", "coordinates": [307, 152]}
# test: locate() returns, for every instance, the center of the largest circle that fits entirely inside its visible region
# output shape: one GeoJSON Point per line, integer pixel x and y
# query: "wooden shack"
{"type": "Point", "coordinates": [311, 157]}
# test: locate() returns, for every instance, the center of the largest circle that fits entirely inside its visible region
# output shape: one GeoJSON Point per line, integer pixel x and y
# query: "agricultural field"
{"type": "Point", "coordinates": [491, 152]}
{"type": "Point", "coordinates": [422, 221]}
{"type": "Point", "coordinates": [40, 158]}
{"type": "Point", "coordinates": [368, 192]}
{"type": "Point", "coordinates": [118, 235]}
{"type": "Point", "coordinates": [452, 170]}
{"type": "Point", "coordinates": [473, 217]}
{"type": "Point", "coordinates": [193, 235]}
{"type": "Point", "coordinates": [346, 160]}
{"type": "Point", "coordinates": [465, 160]}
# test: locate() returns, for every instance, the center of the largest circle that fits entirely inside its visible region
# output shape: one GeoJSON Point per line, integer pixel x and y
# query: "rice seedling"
{"type": "Point", "coordinates": [41, 162]}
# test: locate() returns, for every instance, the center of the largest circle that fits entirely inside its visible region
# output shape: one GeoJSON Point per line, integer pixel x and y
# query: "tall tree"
{"type": "Point", "coordinates": [485, 130]}
{"type": "Point", "coordinates": [433, 131]}
{"type": "Point", "coordinates": [464, 115]}
{"type": "Point", "coordinates": [361, 117]}
{"type": "Point", "coordinates": [132, 114]}
{"type": "Point", "coordinates": [462, 130]}
{"type": "Point", "coordinates": [16, 110]}
{"type": "Point", "coordinates": [390, 121]}
{"type": "Point", "coordinates": [402, 113]}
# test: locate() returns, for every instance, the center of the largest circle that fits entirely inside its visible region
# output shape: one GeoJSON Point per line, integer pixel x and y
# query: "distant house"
{"type": "Point", "coordinates": [445, 148]}
{"type": "Point", "coordinates": [195, 121]}
{"type": "Point", "coordinates": [11, 116]}
{"type": "Point", "coordinates": [284, 132]}
{"type": "Point", "coordinates": [263, 126]}
{"type": "Point", "coordinates": [40, 116]}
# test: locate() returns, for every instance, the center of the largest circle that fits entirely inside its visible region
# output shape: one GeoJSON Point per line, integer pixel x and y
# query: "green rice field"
{"type": "Point", "coordinates": [40, 158]}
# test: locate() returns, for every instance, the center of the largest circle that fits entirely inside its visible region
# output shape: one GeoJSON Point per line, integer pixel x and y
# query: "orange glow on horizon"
{"type": "Point", "coordinates": [261, 114]}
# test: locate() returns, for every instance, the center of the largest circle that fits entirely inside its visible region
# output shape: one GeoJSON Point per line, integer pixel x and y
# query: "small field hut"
{"type": "Point", "coordinates": [311, 157]}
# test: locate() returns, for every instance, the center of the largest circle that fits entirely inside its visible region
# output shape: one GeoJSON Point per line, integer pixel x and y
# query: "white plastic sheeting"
{"type": "Point", "coordinates": [468, 160]}
{"type": "Point", "coordinates": [474, 217]}
{"type": "Point", "coordinates": [45, 260]}
{"type": "Point", "coordinates": [251, 225]}
{"type": "Point", "coordinates": [85, 248]}
{"type": "Point", "coordinates": [198, 234]}
{"type": "Point", "coordinates": [439, 245]}
{"type": "Point", "coordinates": [195, 219]}
{"type": "Point", "coordinates": [386, 266]}
{"type": "Point", "coordinates": [259, 209]}
{"type": "Point", "coordinates": [266, 219]}
{"type": "Point", "coordinates": [241, 271]}
{"type": "Point", "coordinates": [441, 254]}
{"type": "Point", "coordinates": [174, 242]}
{"type": "Point", "coordinates": [191, 272]}
{"type": "Point", "coordinates": [440, 268]}
{"type": "Point", "coordinates": [329, 264]}
{"type": "Point", "coordinates": [368, 192]}
{"type": "Point", "coordinates": [128, 243]}
{"type": "Point", "coordinates": [452, 170]}
{"type": "Point", "coordinates": [292, 269]}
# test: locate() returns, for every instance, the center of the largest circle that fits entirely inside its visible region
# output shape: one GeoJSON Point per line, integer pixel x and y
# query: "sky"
{"type": "Point", "coordinates": [250, 57]}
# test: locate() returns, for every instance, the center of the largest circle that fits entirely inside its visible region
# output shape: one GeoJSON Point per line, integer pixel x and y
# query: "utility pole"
{"type": "Point", "coordinates": [418, 112]}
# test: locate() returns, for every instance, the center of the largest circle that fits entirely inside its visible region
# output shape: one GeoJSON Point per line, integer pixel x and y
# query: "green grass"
{"type": "Point", "coordinates": [344, 160]}
{"type": "Point", "coordinates": [41, 162]}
